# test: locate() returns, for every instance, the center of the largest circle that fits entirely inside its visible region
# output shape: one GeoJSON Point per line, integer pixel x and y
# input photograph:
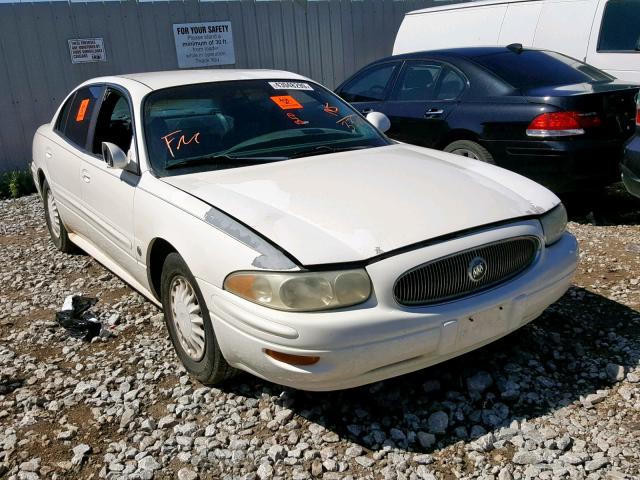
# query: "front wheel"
{"type": "Point", "coordinates": [57, 230]}
{"type": "Point", "coordinates": [187, 319]}
{"type": "Point", "coordinates": [469, 149]}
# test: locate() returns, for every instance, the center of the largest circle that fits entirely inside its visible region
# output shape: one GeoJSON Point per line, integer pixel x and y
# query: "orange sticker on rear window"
{"type": "Point", "coordinates": [82, 110]}
{"type": "Point", "coordinates": [286, 102]}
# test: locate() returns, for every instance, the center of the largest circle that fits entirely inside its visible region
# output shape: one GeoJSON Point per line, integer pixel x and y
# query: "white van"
{"type": "Point", "coordinates": [603, 33]}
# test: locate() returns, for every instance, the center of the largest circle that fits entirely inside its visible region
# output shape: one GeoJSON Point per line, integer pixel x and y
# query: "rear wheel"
{"type": "Point", "coordinates": [187, 319]}
{"type": "Point", "coordinates": [469, 149]}
{"type": "Point", "coordinates": [57, 230]}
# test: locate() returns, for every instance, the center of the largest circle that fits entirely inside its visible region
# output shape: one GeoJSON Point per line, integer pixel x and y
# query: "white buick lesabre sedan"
{"type": "Point", "coordinates": [283, 234]}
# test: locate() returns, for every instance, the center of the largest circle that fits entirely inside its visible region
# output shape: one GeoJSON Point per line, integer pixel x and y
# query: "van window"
{"type": "Point", "coordinates": [540, 68]}
{"type": "Point", "coordinates": [620, 30]}
{"type": "Point", "coordinates": [369, 86]}
{"type": "Point", "coordinates": [79, 117]}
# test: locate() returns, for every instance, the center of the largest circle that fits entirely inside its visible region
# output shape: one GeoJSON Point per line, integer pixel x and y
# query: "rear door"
{"type": "Point", "coordinates": [368, 89]}
{"type": "Point", "coordinates": [614, 45]}
{"type": "Point", "coordinates": [64, 151]}
{"type": "Point", "coordinates": [108, 193]}
{"type": "Point", "coordinates": [424, 96]}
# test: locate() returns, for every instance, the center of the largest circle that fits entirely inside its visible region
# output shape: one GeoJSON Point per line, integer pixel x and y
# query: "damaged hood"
{"type": "Point", "coordinates": [352, 206]}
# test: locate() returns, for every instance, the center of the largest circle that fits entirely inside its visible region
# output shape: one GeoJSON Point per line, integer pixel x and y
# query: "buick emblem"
{"type": "Point", "coordinates": [477, 269]}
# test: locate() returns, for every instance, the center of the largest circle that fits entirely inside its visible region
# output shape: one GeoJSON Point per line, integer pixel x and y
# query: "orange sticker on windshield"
{"type": "Point", "coordinates": [286, 102]}
{"type": "Point", "coordinates": [82, 110]}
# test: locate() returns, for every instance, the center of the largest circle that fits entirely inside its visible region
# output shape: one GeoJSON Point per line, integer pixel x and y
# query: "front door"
{"type": "Point", "coordinates": [108, 193]}
{"type": "Point", "coordinates": [367, 90]}
{"type": "Point", "coordinates": [424, 95]}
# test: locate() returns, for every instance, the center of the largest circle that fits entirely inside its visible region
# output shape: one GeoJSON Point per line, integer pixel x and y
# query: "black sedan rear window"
{"type": "Point", "coordinates": [539, 68]}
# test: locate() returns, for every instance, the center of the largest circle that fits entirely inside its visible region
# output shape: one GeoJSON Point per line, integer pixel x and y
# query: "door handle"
{"type": "Point", "coordinates": [86, 177]}
{"type": "Point", "coordinates": [366, 110]}
{"type": "Point", "coordinates": [433, 112]}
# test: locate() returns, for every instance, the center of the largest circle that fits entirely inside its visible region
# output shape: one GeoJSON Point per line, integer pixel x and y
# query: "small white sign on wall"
{"type": "Point", "coordinates": [204, 44]}
{"type": "Point", "coordinates": [84, 50]}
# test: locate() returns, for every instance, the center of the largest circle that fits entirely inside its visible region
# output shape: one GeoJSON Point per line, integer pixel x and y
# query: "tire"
{"type": "Point", "coordinates": [470, 149]}
{"type": "Point", "coordinates": [190, 328]}
{"type": "Point", "coordinates": [57, 230]}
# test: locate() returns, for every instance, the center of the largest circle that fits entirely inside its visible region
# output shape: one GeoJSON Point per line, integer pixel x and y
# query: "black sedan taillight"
{"type": "Point", "coordinates": [562, 124]}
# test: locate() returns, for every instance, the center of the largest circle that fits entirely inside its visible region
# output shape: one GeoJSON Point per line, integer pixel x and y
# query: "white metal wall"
{"type": "Point", "coordinates": [326, 40]}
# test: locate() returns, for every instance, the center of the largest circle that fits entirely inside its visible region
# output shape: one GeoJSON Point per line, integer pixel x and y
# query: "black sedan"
{"type": "Point", "coordinates": [630, 165]}
{"type": "Point", "coordinates": [547, 116]}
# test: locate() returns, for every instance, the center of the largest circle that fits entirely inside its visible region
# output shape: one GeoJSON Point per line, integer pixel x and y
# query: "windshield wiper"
{"type": "Point", "coordinates": [322, 149]}
{"type": "Point", "coordinates": [223, 160]}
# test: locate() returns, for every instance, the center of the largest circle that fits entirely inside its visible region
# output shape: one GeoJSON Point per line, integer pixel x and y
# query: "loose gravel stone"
{"type": "Point", "coordinates": [438, 422]}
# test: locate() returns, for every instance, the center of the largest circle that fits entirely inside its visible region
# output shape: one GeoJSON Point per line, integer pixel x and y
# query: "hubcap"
{"type": "Point", "coordinates": [465, 152]}
{"type": "Point", "coordinates": [187, 317]}
{"type": "Point", "coordinates": [54, 216]}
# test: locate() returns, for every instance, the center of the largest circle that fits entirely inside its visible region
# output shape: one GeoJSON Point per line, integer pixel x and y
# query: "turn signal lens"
{"type": "Point", "coordinates": [562, 124]}
{"type": "Point", "coordinates": [301, 291]}
{"type": "Point", "coordinates": [292, 359]}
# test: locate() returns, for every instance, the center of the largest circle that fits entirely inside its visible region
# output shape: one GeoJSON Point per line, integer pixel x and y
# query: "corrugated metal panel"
{"type": "Point", "coordinates": [326, 40]}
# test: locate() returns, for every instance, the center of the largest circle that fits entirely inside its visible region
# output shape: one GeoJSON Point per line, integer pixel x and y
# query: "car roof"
{"type": "Point", "coordinates": [460, 52]}
{"type": "Point", "coordinates": [173, 78]}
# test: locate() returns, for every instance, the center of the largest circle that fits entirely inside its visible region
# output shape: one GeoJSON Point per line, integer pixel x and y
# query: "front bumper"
{"type": "Point", "coordinates": [381, 339]}
{"type": "Point", "coordinates": [561, 165]}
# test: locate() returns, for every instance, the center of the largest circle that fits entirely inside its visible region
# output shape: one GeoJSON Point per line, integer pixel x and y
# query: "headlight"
{"type": "Point", "coordinates": [301, 291]}
{"type": "Point", "coordinates": [554, 223]}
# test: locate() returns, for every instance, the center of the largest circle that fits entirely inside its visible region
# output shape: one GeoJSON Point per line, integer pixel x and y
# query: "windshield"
{"type": "Point", "coordinates": [540, 68]}
{"type": "Point", "coordinates": [233, 124]}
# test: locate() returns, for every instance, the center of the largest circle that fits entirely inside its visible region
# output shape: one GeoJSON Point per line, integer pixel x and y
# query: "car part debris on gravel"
{"type": "Point", "coordinates": [76, 319]}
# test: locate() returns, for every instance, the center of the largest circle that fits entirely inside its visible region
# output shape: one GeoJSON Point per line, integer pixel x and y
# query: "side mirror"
{"type": "Point", "coordinates": [379, 120]}
{"type": "Point", "coordinates": [114, 156]}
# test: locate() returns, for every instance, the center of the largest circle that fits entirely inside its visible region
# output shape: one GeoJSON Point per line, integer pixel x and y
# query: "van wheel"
{"type": "Point", "coordinates": [187, 319]}
{"type": "Point", "coordinates": [470, 149]}
{"type": "Point", "coordinates": [57, 231]}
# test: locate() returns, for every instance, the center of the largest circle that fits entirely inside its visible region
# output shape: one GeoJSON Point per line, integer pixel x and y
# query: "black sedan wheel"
{"type": "Point", "coordinates": [469, 149]}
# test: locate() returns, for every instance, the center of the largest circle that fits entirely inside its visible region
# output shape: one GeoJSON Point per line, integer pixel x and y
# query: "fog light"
{"type": "Point", "coordinates": [292, 359]}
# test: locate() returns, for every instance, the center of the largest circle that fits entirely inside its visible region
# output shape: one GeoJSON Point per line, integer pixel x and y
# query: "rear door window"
{"type": "Point", "coordinates": [80, 114]}
{"type": "Point", "coordinates": [451, 85]}
{"type": "Point", "coordinates": [540, 68]}
{"type": "Point", "coordinates": [61, 121]}
{"type": "Point", "coordinates": [371, 85]}
{"type": "Point", "coordinates": [620, 30]}
{"type": "Point", "coordinates": [418, 82]}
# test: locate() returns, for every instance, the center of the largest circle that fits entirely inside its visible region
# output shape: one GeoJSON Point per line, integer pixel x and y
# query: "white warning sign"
{"type": "Point", "coordinates": [85, 50]}
{"type": "Point", "coordinates": [204, 44]}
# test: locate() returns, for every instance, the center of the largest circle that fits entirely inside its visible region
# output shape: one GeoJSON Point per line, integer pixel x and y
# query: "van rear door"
{"type": "Point", "coordinates": [614, 45]}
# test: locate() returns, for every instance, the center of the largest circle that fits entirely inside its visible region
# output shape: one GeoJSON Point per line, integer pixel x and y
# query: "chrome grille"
{"type": "Point", "coordinates": [450, 277]}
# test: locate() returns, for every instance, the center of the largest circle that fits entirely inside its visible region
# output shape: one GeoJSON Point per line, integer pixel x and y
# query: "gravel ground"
{"type": "Point", "coordinates": [559, 398]}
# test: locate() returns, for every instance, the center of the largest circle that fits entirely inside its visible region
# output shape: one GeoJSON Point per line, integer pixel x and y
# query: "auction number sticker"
{"type": "Point", "coordinates": [82, 110]}
{"type": "Point", "coordinates": [290, 86]}
{"type": "Point", "coordinates": [286, 102]}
